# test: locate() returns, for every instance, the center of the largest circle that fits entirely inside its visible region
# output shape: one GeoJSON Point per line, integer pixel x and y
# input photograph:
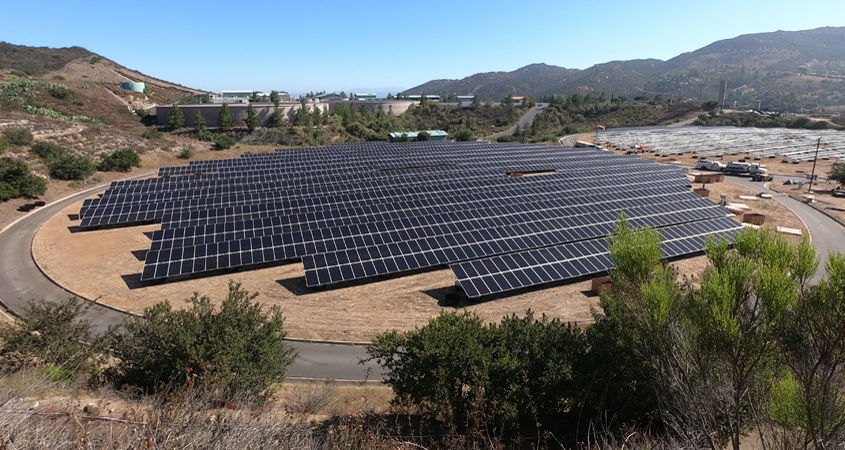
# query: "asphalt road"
{"type": "Point", "coordinates": [21, 282]}
{"type": "Point", "coordinates": [524, 121]}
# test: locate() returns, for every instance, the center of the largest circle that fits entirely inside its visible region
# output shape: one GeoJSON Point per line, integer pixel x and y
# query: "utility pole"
{"type": "Point", "coordinates": [813, 175]}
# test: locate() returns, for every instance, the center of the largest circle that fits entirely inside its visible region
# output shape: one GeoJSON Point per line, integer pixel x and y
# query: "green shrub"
{"type": "Point", "coordinates": [61, 92]}
{"type": "Point", "coordinates": [152, 133]}
{"type": "Point", "coordinates": [186, 153]}
{"type": "Point", "coordinates": [122, 160]}
{"type": "Point", "coordinates": [73, 184]}
{"type": "Point", "coordinates": [238, 347]}
{"type": "Point", "coordinates": [141, 113]}
{"type": "Point", "coordinates": [223, 142]}
{"type": "Point", "coordinates": [517, 372]}
{"type": "Point", "coordinates": [53, 334]}
{"type": "Point", "coordinates": [18, 136]}
{"type": "Point", "coordinates": [48, 151]}
{"type": "Point", "coordinates": [4, 144]}
{"type": "Point", "coordinates": [70, 167]}
{"type": "Point", "coordinates": [206, 136]}
{"type": "Point", "coordinates": [59, 78]}
{"type": "Point", "coordinates": [16, 181]}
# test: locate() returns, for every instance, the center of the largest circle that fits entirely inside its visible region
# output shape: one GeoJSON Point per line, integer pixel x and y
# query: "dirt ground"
{"type": "Point", "coordinates": [106, 265]}
{"type": "Point", "coordinates": [776, 165]}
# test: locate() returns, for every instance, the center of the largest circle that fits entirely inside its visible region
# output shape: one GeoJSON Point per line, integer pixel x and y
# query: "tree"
{"type": "Point", "coordinates": [70, 167]}
{"type": "Point", "coordinates": [464, 134]}
{"type": "Point", "coordinates": [122, 160]}
{"type": "Point", "coordinates": [837, 173]}
{"type": "Point", "coordinates": [200, 126]}
{"type": "Point", "coordinates": [476, 103]}
{"type": "Point", "coordinates": [423, 136]}
{"type": "Point", "coordinates": [48, 151]}
{"type": "Point", "coordinates": [278, 118]}
{"type": "Point", "coordinates": [507, 101]}
{"type": "Point", "coordinates": [303, 117]}
{"type": "Point", "coordinates": [274, 97]}
{"type": "Point", "coordinates": [252, 120]}
{"type": "Point", "coordinates": [205, 99]}
{"type": "Point", "coordinates": [225, 121]}
{"type": "Point", "coordinates": [16, 181]}
{"type": "Point", "coordinates": [54, 334]}
{"type": "Point", "coordinates": [317, 116]}
{"type": "Point", "coordinates": [176, 119]}
{"type": "Point", "coordinates": [238, 348]}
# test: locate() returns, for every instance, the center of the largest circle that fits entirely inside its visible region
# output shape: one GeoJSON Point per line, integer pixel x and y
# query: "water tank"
{"type": "Point", "coordinates": [132, 86]}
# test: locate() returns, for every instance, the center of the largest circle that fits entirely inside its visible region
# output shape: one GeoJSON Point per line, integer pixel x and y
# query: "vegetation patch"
{"type": "Point", "coordinates": [24, 92]}
{"type": "Point", "coordinates": [16, 181]}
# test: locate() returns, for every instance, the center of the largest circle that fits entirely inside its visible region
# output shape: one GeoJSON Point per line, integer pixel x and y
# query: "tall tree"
{"type": "Point", "coordinates": [278, 117]}
{"type": "Point", "coordinates": [274, 97]}
{"type": "Point", "coordinates": [176, 119]}
{"type": "Point", "coordinates": [476, 103]}
{"type": "Point", "coordinates": [200, 126]}
{"type": "Point", "coordinates": [225, 121]}
{"type": "Point", "coordinates": [252, 120]}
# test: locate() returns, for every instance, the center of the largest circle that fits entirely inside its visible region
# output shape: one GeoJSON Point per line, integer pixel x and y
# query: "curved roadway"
{"type": "Point", "coordinates": [21, 281]}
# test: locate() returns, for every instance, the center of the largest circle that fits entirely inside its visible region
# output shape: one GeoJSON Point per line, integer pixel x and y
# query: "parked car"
{"type": "Point", "coordinates": [709, 165]}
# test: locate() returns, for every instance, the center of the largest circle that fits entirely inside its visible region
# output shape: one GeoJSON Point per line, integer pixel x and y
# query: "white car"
{"type": "Point", "coordinates": [709, 165]}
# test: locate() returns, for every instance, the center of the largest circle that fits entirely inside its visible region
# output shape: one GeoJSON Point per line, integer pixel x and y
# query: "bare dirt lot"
{"type": "Point", "coordinates": [106, 265]}
{"type": "Point", "coordinates": [822, 192]}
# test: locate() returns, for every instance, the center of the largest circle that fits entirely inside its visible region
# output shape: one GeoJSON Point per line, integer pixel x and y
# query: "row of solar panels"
{"type": "Point", "coordinates": [347, 218]}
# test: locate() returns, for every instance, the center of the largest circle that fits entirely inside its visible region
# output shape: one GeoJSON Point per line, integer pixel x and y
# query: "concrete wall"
{"type": "Point", "coordinates": [211, 112]}
{"type": "Point", "coordinates": [399, 106]}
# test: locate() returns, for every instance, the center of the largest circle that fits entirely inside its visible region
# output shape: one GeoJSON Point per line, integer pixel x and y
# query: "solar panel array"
{"type": "Point", "coordinates": [356, 210]}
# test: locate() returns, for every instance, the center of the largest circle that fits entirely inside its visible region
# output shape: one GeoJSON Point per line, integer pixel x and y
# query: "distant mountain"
{"type": "Point", "coordinates": [783, 69]}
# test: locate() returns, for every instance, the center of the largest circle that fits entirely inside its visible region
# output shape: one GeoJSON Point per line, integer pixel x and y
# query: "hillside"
{"type": "Point", "coordinates": [787, 70]}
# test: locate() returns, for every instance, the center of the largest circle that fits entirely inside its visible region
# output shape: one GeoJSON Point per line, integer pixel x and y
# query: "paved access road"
{"type": "Point", "coordinates": [524, 121]}
{"type": "Point", "coordinates": [21, 281]}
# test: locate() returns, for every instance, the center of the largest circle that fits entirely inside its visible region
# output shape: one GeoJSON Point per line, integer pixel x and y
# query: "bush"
{"type": "Point", "coordinates": [186, 153]}
{"type": "Point", "coordinates": [152, 133]}
{"type": "Point", "coordinates": [122, 160]}
{"type": "Point", "coordinates": [223, 142]}
{"type": "Point", "coordinates": [206, 136]}
{"type": "Point", "coordinates": [4, 144]}
{"type": "Point", "coordinates": [48, 151]}
{"type": "Point", "coordinates": [517, 372]}
{"type": "Point", "coordinates": [70, 167]}
{"type": "Point", "coordinates": [16, 181]}
{"type": "Point", "coordinates": [53, 334]}
{"type": "Point", "coordinates": [238, 348]}
{"type": "Point", "coordinates": [18, 136]}
{"type": "Point", "coordinates": [61, 92]}
{"type": "Point", "coordinates": [141, 113]}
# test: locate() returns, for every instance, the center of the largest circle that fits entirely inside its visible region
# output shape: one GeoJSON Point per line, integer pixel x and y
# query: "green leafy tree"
{"type": "Point", "coordinates": [464, 134]}
{"type": "Point", "coordinates": [274, 97]}
{"type": "Point", "coordinates": [507, 101]}
{"type": "Point", "coordinates": [225, 121]}
{"type": "Point", "coordinates": [252, 120]}
{"type": "Point", "coordinates": [423, 136]}
{"type": "Point", "coordinates": [122, 160]}
{"type": "Point", "coordinates": [176, 119]}
{"type": "Point", "coordinates": [476, 103]}
{"type": "Point", "coordinates": [223, 142]}
{"type": "Point", "coordinates": [54, 334]}
{"type": "Point", "coordinates": [48, 151]}
{"type": "Point", "coordinates": [16, 181]}
{"type": "Point", "coordinates": [205, 99]}
{"type": "Point", "coordinates": [200, 126]}
{"type": "Point", "coordinates": [837, 173]}
{"type": "Point", "coordinates": [303, 116]}
{"type": "Point", "coordinates": [239, 346]}
{"type": "Point", "coordinates": [278, 118]}
{"type": "Point", "coordinates": [71, 167]}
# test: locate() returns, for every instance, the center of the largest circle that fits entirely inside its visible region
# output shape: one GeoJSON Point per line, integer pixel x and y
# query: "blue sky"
{"type": "Point", "coordinates": [337, 45]}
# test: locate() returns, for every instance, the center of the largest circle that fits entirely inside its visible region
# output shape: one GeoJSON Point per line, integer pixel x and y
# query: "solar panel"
{"type": "Point", "coordinates": [355, 210]}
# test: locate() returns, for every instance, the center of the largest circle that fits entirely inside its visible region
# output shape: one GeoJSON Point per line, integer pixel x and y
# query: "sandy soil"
{"type": "Point", "coordinates": [106, 265]}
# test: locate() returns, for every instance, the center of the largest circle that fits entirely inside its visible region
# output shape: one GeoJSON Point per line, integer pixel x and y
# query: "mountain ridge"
{"type": "Point", "coordinates": [776, 67]}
